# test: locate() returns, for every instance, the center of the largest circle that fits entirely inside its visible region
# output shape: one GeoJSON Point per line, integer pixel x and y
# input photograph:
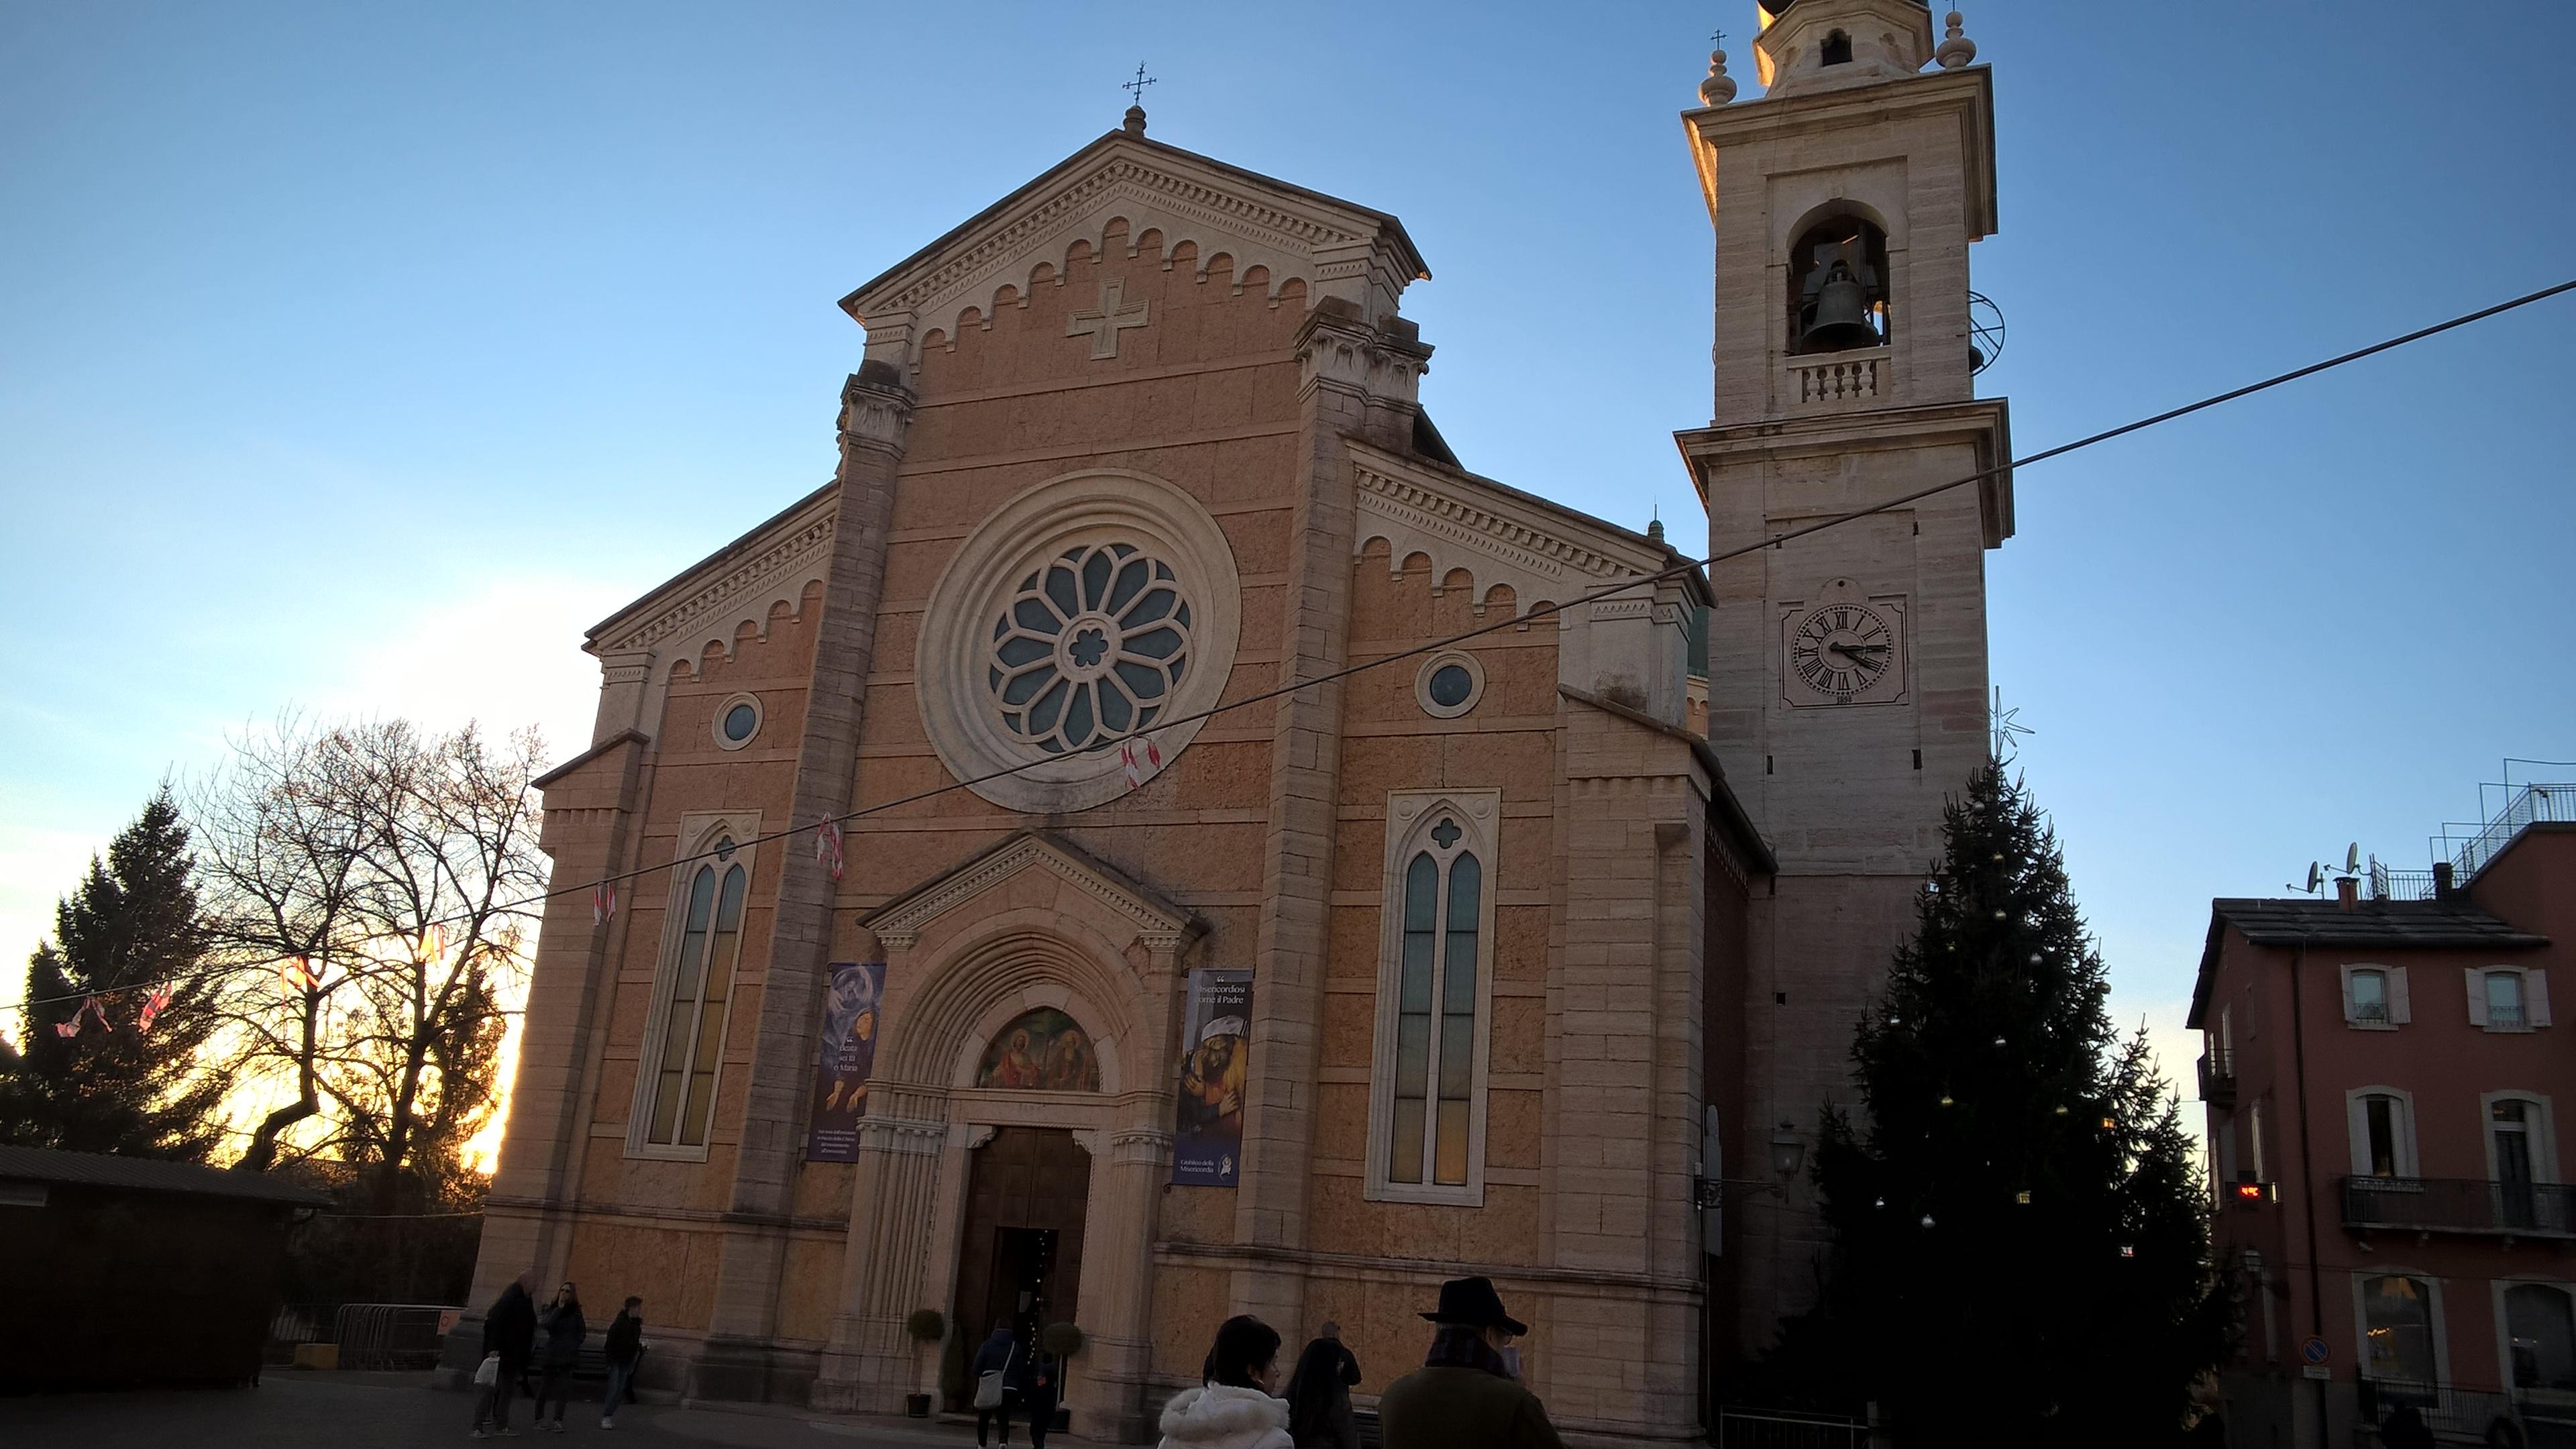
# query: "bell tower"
{"type": "Point", "coordinates": [1847, 670]}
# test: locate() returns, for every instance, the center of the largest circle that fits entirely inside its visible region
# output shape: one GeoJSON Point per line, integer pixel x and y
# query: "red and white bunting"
{"type": "Point", "coordinates": [100, 1012]}
{"type": "Point", "coordinates": [603, 903]}
{"type": "Point", "coordinates": [827, 847]}
{"type": "Point", "coordinates": [1140, 758]}
{"type": "Point", "coordinates": [297, 975]}
{"type": "Point", "coordinates": [71, 1027]}
{"type": "Point", "coordinates": [153, 1006]}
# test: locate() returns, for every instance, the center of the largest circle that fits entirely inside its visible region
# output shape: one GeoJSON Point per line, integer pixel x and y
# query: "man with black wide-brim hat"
{"type": "Point", "coordinates": [1466, 1395]}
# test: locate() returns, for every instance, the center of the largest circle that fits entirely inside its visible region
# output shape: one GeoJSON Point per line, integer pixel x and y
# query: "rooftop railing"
{"type": "Point", "coordinates": [2527, 806]}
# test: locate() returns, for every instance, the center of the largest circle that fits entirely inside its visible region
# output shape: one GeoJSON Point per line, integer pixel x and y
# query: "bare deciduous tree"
{"type": "Point", "coordinates": [365, 880]}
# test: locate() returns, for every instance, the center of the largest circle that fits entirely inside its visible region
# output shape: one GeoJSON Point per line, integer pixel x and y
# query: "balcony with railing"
{"type": "Point", "coordinates": [1830, 379]}
{"type": "Point", "coordinates": [2218, 1077]}
{"type": "Point", "coordinates": [2459, 1205]}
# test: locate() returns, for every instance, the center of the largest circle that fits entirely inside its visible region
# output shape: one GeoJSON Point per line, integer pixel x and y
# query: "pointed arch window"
{"type": "Point", "coordinates": [682, 1057]}
{"type": "Point", "coordinates": [1434, 989]}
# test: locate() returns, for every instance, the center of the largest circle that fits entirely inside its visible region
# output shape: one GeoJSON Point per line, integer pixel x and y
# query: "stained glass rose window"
{"type": "Point", "coordinates": [1089, 646]}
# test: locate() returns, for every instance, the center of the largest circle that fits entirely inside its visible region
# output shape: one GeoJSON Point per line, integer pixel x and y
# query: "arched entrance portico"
{"type": "Point", "coordinates": [1047, 931]}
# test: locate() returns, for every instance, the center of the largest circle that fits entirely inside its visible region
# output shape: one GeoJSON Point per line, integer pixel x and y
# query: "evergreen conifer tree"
{"type": "Point", "coordinates": [2021, 1237]}
{"type": "Point", "coordinates": [113, 1085]}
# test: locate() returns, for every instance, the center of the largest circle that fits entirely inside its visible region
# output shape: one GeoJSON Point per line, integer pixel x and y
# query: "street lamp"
{"type": "Point", "coordinates": [1788, 1152]}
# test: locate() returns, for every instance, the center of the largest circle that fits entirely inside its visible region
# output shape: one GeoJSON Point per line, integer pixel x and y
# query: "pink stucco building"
{"type": "Point", "coordinates": [2383, 1078]}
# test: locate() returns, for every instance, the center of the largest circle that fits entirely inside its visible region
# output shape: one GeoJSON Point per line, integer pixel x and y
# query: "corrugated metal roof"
{"type": "Point", "coordinates": [2427, 924]}
{"type": "Point", "coordinates": [144, 1174]}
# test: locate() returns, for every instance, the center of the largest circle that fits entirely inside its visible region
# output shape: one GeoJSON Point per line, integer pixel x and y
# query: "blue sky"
{"type": "Point", "coordinates": [355, 358]}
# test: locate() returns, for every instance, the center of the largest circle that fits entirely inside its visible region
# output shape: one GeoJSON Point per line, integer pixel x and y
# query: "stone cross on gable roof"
{"type": "Point", "coordinates": [1114, 315]}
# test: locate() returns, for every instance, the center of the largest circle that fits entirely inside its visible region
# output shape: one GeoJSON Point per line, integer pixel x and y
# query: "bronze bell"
{"type": "Point", "coordinates": [1842, 314]}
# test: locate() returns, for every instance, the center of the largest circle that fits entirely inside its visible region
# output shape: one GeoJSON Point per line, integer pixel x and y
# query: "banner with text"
{"type": "Point", "coordinates": [841, 1066]}
{"type": "Point", "coordinates": [1216, 1056]}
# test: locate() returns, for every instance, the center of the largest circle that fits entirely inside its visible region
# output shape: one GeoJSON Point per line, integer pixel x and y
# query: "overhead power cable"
{"type": "Point", "coordinates": [1773, 540]}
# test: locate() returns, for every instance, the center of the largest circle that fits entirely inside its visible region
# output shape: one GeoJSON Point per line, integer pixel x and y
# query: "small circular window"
{"type": "Point", "coordinates": [737, 721]}
{"type": "Point", "coordinates": [1449, 685]}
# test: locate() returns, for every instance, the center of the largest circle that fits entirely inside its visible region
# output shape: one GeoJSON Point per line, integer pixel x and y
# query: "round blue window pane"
{"type": "Point", "coordinates": [1450, 685]}
{"type": "Point", "coordinates": [740, 721]}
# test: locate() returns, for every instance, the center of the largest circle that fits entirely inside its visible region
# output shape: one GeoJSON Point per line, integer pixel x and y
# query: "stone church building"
{"type": "Point", "coordinates": [1147, 981]}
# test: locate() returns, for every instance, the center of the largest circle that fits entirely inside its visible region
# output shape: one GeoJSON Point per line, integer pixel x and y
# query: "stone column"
{"type": "Point", "coordinates": [872, 1362]}
{"type": "Point", "coordinates": [738, 1360]}
{"type": "Point", "coordinates": [1117, 1360]}
{"type": "Point", "coordinates": [1357, 378]}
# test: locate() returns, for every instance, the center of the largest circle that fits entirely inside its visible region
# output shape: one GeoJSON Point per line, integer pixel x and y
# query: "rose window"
{"type": "Point", "coordinates": [1090, 646]}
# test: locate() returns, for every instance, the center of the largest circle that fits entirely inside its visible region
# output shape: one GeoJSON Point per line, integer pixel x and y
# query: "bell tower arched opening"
{"type": "Point", "coordinates": [1837, 49]}
{"type": "Point", "coordinates": [1838, 286]}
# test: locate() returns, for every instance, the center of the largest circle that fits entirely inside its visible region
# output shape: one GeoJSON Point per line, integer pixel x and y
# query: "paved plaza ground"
{"type": "Point", "coordinates": [304, 1410]}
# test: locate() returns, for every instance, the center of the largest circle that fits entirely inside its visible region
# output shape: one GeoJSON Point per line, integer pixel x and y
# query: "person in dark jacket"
{"type": "Point", "coordinates": [510, 1331]}
{"type": "Point", "coordinates": [999, 1355]}
{"type": "Point", "coordinates": [565, 1330]}
{"type": "Point", "coordinates": [1319, 1394]}
{"type": "Point", "coordinates": [1038, 1395]}
{"type": "Point", "coordinates": [2406, 1429]}
{"type": "Point", "coordinates": [1466, 1395]}
{"type": "Point", "coordinates": [624, 1347]}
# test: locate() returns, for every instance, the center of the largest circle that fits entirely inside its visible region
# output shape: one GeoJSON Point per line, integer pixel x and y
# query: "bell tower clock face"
{"type": "Point", "coordinates": [1843, 648]}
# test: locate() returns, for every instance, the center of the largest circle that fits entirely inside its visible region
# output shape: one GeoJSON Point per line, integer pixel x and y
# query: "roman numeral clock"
{"type": "Point", "coordinates": [1842, 647]}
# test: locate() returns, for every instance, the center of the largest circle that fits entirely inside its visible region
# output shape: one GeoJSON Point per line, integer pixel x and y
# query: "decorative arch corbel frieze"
{"type": "Point", "coordinates": [710, 607]}
{"type": "Point", "coordinates": [1332, 247]}
{"type": "Point", "coordinates": [1499, 537]}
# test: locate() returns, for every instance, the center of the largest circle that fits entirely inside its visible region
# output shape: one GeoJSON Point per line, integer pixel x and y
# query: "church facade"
{"type": "Point", "coordinates": [1206, 926]}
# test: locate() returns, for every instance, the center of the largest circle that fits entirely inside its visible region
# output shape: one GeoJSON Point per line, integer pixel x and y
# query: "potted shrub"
{"type": "Point", "coordinates": [956, 1386]}
{"type": "Point", "coordinates": [1061, 1342]}
{"type": "Point", "coordinates": [926, 1327]}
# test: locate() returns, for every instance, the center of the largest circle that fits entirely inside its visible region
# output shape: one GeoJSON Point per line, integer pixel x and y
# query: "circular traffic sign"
{"type": "Point", "coordinates": [2315, 1351]}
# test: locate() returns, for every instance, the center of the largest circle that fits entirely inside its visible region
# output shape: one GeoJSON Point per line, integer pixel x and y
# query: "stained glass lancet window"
{"type": "Point", "coordinates": [1436, 998]}
{"type": "Point", "coordinates": [693, 1011]}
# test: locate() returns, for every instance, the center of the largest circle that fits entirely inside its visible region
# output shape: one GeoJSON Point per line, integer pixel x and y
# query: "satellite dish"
{"type": "Point", "coordinates": [2352, 858]}
{"type": "Point", "coordinates": [2316, 877]}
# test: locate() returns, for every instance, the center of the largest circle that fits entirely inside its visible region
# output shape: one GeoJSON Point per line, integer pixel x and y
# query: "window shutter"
{"type": "Point", "coordinates": [2535, 996]}
{"type": "Point", "coordinates": [2347, 995]}
{"type": "Point", "coordinates": [2400, 1009]}
{"type": "Point", "coordinates": [2356, 1121]}
{"type": "Point", "coordinates": [2477, 997]}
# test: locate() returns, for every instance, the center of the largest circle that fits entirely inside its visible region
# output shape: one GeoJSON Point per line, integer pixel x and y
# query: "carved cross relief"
{"type": "Point", "coordinates": [1115, 315]}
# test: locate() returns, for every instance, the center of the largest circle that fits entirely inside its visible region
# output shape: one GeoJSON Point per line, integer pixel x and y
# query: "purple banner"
{"type": "Point", "coordinates": [841, 1066]}
{"type": "Point", "coordinates": [1216, 1058]}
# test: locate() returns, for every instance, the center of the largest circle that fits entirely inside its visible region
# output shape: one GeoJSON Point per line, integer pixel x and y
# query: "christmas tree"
{"type": "Point", "coordinates": [2021, 1238]}
{"type": "Point", "coordinates": [118, 1010]}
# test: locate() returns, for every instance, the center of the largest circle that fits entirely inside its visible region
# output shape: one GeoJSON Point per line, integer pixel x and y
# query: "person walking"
{"type": "Point", "coordinates": [624, 1347]}
{"type": "Point", "coordinates": [509, 1331]}
{"type": "Point", "coordinates": [1467, 1394]}
{"type": "Point", "coordinates": [996, 1370]}
{"type": "Point", "coordinates": [1319, 1394]}
{"type": "Point", "coordinates": [1233, 1409]}
{"type": "Point", "coordinates": [565, 1330]}
{"type": "Point", "coordinates": [1038, 1395]}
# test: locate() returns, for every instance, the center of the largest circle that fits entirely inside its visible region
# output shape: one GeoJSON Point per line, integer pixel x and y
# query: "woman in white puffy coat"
{"type": "Point", "coordinates": [1234, 1409]}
